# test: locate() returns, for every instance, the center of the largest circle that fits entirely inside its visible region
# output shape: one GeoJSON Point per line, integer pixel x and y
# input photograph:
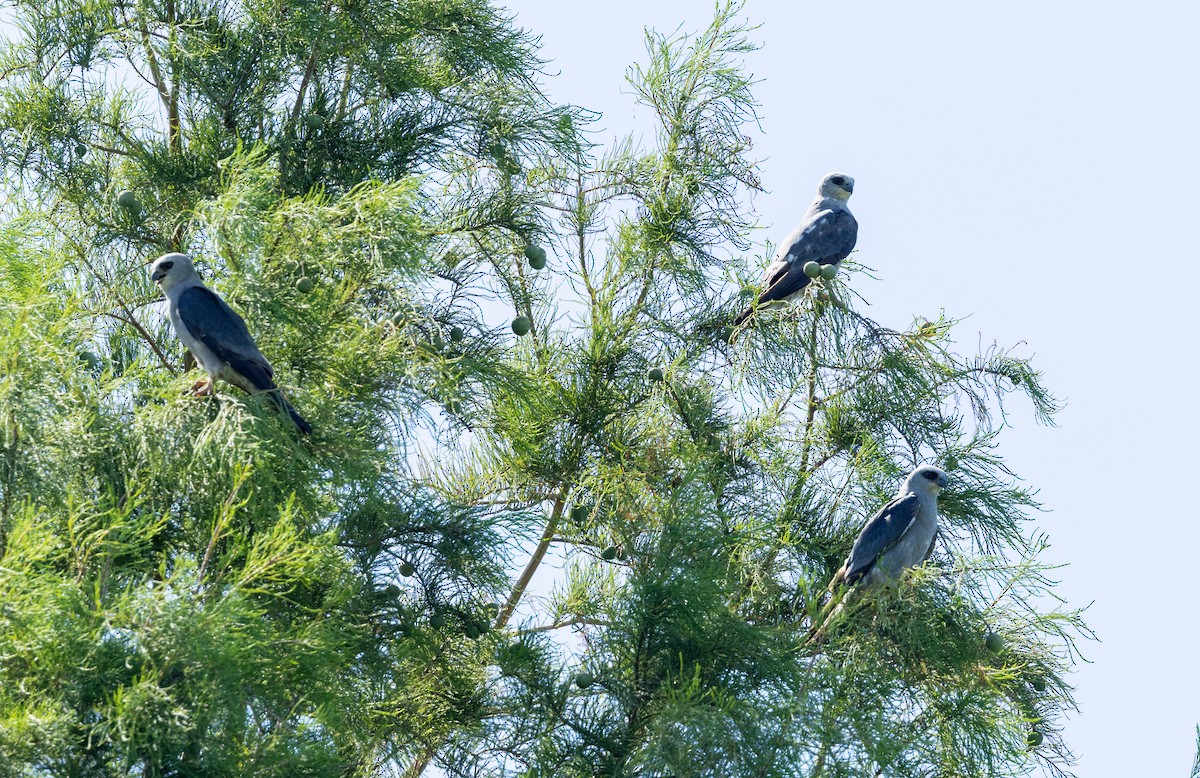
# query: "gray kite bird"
{"type": "Point", "coordinates": [215, 334]}
{"type": "Point", "coordinates": [900, 535]}
{"type": "Point", "coordinates": [826, 235]}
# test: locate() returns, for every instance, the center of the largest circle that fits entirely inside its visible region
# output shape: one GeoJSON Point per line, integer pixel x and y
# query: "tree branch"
{"type": "Point", "coordinates": [169, 101]}
{"type": "Point", "coordinates": [539, 553]}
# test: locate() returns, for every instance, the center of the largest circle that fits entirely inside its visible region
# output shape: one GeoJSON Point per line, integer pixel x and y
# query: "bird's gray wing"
{"type": "Point", "coordinates": [828, 238]}
{"type": "Point", "coordinates": [218, 326]}
{"type": "Point", "coordinates": [881, 533]}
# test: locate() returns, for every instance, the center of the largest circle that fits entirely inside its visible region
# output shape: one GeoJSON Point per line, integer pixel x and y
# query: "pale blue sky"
{"type": "Point", "coordinates": [1032, 165]}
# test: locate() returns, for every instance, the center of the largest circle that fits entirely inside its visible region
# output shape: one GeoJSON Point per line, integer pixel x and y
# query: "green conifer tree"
{"type": "Point", "coordinates": [510, 343]}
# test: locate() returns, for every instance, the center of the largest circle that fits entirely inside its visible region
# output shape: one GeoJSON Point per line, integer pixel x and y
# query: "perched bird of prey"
{"type": "Point", "coordinates": [900, 535]}
{"type": "Point", "coordinates": [826, 235]}
{"type": "Point", "coordinates": [215, 334]}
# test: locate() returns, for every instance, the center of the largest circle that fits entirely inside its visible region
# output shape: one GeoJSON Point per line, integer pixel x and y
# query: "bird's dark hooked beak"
{"type": "Point", "coordinates": [158, 275]}
{"type": "Point", "coordinates": [849, 187]}
{"type": "Point", "coordinates": [943, 480]}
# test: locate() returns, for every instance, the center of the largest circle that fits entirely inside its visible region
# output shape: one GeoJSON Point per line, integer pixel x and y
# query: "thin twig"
{"type": "Point", "coordinates": [577, 621]}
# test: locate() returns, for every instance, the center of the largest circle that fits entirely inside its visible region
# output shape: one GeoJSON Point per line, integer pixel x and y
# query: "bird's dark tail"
{"type": "Point", "coordinates": [285, 406]}
{"type": "Point", "coordinates": [301, 423]}
{"type": "Point", "coordinates": [839, 595]}
{"type": "Point", "coordinates": [741, 317]}
{"type": "Point", "coordinates": [771, 294]}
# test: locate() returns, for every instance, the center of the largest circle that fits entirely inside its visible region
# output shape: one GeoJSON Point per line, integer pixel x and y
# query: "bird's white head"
{"type": "Point", "coordinates": [171, 270]}
{"type": "Point", "coordinates": [838, 186]}
{"type": "Point", "coordinates": [927, 478]}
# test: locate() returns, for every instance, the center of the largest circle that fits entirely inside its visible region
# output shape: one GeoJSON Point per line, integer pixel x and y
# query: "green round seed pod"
{"type": "Point", "coordinates": [622, 554]}
{"type": "Point", "coordinates": [305, 285]}
{"type": "Point", "coordinates": [80, 150]}
{"type": "Point", "coordinates": [457, 334]}
{"type": "Point", "coordinates": [314, 121]}
{"type": "Point", "coordinates": [829, 271]}
{"type": "Point", "coordinates": [994, 643]}
{"type": "Point", "coordinates": [536, 256]}
{"type": "Point", "coordinates": [654, 374]}
{"type": "Point", "coordinates": [520, 325]}
{"type": "Point", "coordinates": [1038, 684]}
{"type": "Point", "coordinates": [584, 680]}
{"type": "Point", "coordinates": [128, 200]}
{"type": "Point", "coordinates": [609, 553]}
{"type": "Point", "coordinates": [812, 269]}
{"type": "Point", "coordinates": [727, 333]}
{"type": "Point", "coordinates": [437, 621]}
{"type": "Point", "coordinates": [471, 631]}
{"type": "Point", "coordinates": [1035, 739]}
{"type": "Point", "coordinates": [406, 569]}
{"type": "Point", "coordinates": [579, 514]}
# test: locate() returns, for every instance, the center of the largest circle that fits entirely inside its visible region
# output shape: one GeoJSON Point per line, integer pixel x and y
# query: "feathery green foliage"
{"type": "Point", "coordinates": [1196, 763]}
{"type": "Point", "coordinates": [188, 587]}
